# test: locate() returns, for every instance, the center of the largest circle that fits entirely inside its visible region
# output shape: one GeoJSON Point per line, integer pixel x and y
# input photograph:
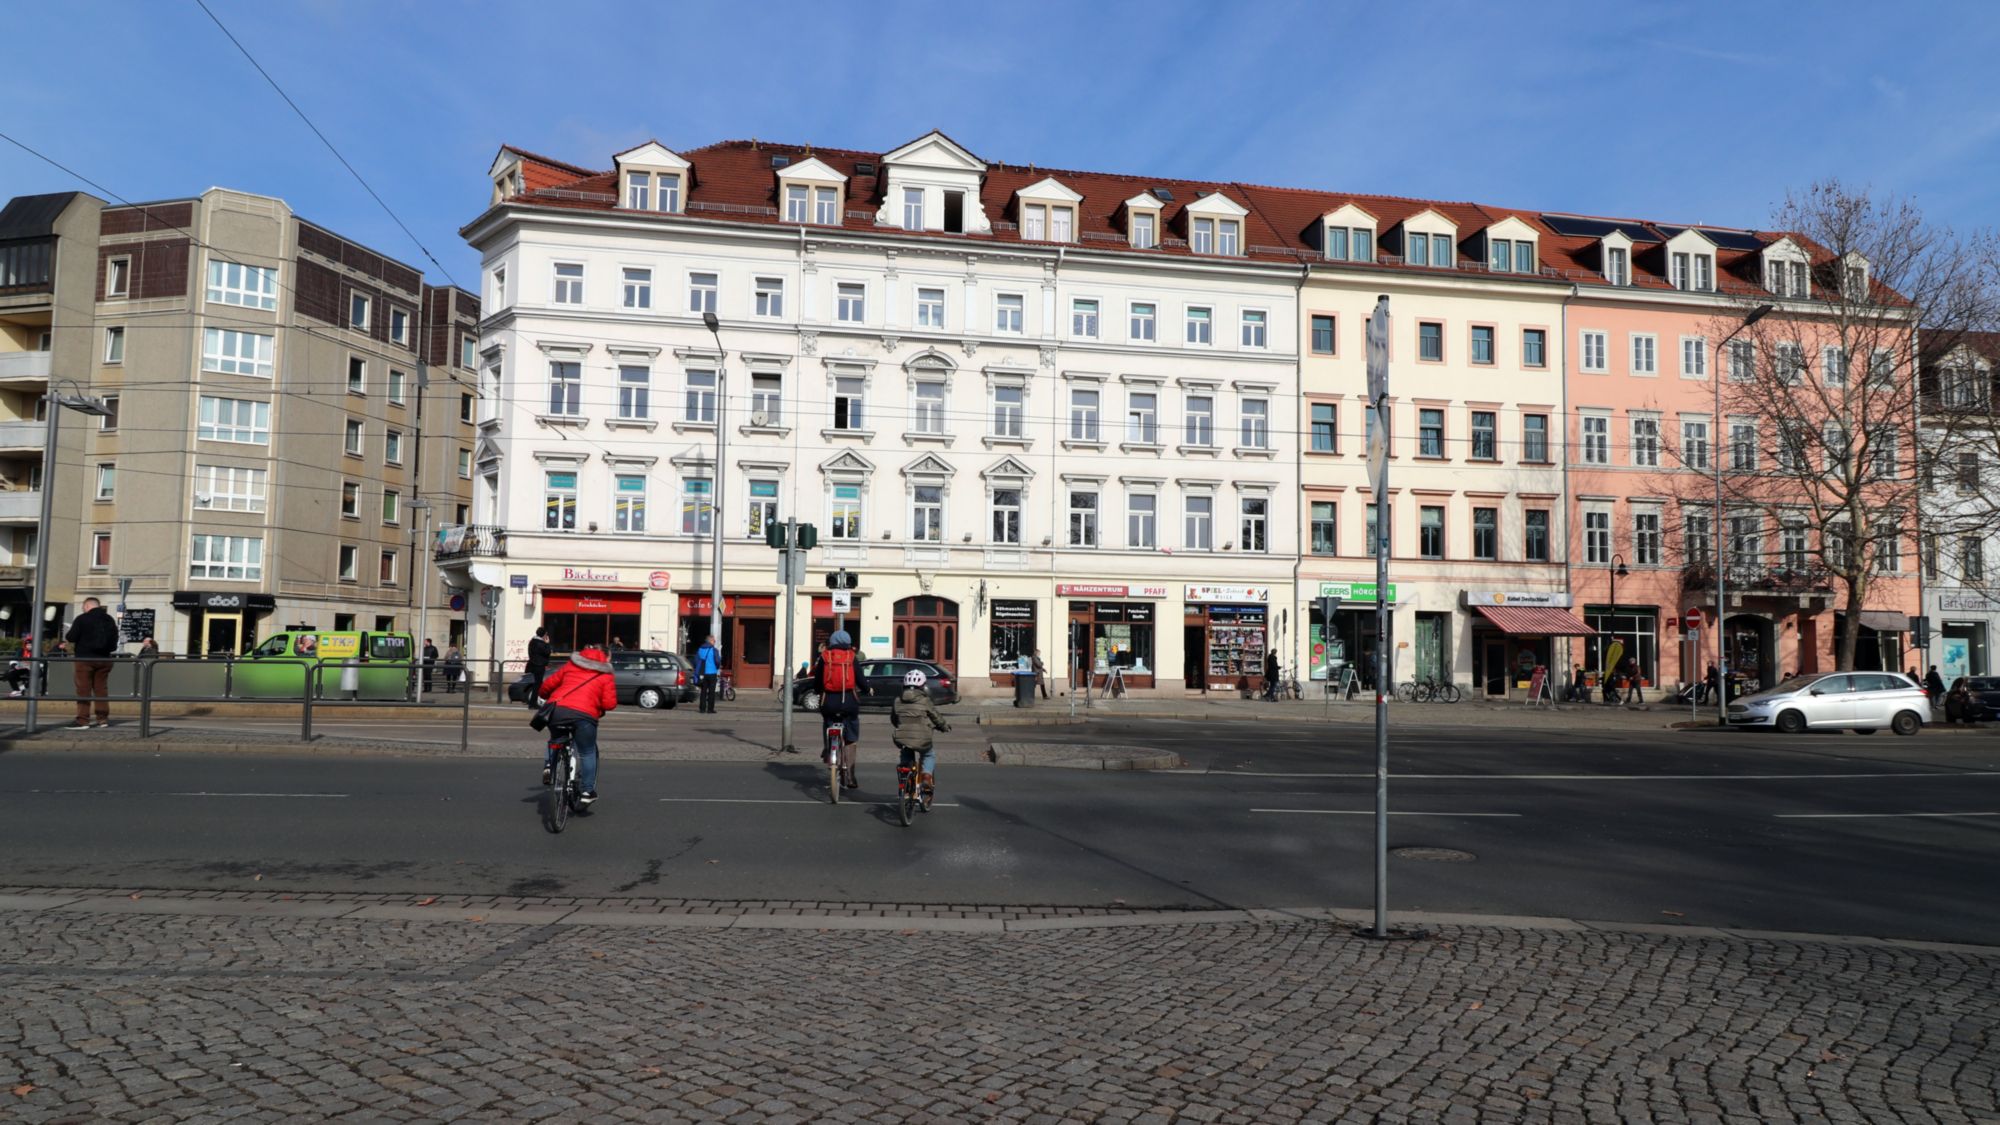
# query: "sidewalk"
{"type": "Point", "coordinates": [160, 1006]}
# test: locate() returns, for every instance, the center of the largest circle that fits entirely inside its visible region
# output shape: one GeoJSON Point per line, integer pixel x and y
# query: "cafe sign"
{"type": "Point", "coordinates": [1353, 591]}
{"type": "Point", "coordinates": [1256, 595]}
{"type": "Point", "coordinates": [1554, 599]}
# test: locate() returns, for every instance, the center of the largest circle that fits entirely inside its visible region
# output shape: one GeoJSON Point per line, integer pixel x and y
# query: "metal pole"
{"type": "Point", "coordinates": [1721, 583]}
{"type": "Point", "coordinates": [791, 628]}
{"type": "Point", "coordinates": [1382, 666]}
{"type": "Point", "coordinates": [715, 495]}
{"type": "Point", "coordinates": [53, 409]}
{"type": "Point", "coordinates": [424, 599]}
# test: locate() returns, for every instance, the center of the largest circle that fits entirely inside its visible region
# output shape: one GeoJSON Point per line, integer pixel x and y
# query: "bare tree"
{"type": "Point", "coordinates": [1817, 435]}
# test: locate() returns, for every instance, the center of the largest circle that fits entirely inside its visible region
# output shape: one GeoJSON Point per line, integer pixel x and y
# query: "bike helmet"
{"type": "Point", "coordinates": [840, 639]}
{"type": "Point", "coordinates": [915, 678]}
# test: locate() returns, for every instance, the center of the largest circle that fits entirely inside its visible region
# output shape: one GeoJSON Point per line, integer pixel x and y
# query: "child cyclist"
{"type": "Point", "coordinates": [914, 717]}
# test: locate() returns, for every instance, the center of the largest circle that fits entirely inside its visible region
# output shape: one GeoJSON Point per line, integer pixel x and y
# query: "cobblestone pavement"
{"type": "Point", "coordinates": [180, 1014]}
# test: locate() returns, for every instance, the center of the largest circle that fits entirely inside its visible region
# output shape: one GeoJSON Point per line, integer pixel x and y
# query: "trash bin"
{"type": "Point", "coordinates": [1024, 689]}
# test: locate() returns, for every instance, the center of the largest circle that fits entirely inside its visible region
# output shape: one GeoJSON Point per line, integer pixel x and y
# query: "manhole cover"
{"type": "Point", "coordinates": [1437, 855]}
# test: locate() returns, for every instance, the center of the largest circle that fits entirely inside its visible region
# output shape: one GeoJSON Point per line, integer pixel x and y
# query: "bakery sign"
{"type": "Point", "coordinates": [1239, 595]}
{"type": "Point", "coordinates": [585, 574]}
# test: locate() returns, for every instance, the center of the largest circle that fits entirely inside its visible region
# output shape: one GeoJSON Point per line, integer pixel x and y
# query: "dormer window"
{"type": "Point", "coordinates": [653, 178]}
{"type": "Point", "coordinates": [1347, 234]}
{"type": "Point", "coordinates": [1786, 279]}
{"type": "Point", "coordinates": [1145, 231]}
{"type": "Point", "coordinates": [913, 208]}
{"type": "Point", "coordinates": [1041, 222]}
{"type": "Point", "coordinates": [810, 191]}
{"type": "Point", "coordinates": [1511, 247]}
{"type": "Point", "coordinates": [798, 204]}
{"type": "Point", "coordinates": [1428, 250]}
{"type": "Point", "coordinates": [1854, 285]}
{"type": "Point", "coordinates": [1217, 236]}
{"type": "Point", "coordinates": [1618, 265]}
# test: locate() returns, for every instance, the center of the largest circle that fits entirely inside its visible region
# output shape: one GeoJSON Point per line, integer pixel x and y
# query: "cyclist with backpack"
{"type": "Point", "coordinates": [839, 687]}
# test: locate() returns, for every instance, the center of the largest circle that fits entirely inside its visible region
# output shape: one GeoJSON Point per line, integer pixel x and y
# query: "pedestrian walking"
{"type": "Point", "coordinates": [1934, 684]}
{"type": "Point", "coordinates": [95, 637]}
{"type": "Point", "coordinates": [1634, 693]}
{"type": "Point", "coordinates": [430, 661]}
{"type": "Point", "coordinates": [538, 666]}
{"type": "Point", "coordinates": [1579, 687]}
{"type": "Point", "coordinates": [1041, 673]}
{"type": "Point", "coordinates": [454, 667]}
{"type": "Point", "coordinates": [1271, 676]}
{"type": "Point", "coordinates": [708, 665]}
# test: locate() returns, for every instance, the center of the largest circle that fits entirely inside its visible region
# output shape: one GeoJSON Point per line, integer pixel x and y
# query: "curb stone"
{"type": "Point", "coordinates": [996, 920]}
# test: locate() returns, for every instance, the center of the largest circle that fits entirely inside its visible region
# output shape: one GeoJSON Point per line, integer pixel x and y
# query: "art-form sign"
{"type": "Point", "coordinates": [1238, 594]}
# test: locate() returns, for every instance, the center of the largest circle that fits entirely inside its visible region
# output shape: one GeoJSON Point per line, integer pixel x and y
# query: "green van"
{"type": "Point", "coordinates": [384, 671]}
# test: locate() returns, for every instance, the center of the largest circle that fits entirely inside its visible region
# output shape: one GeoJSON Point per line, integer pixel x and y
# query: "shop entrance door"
{"type": "Point", "coordinates": [1194, 657]}
{"type": "Point", "coordinates": [927, 629]}
{"type": "Point", "coordinates": [753, 652]}
{"type": "Point", "coordinates": [222, 634]}
{"type": "Point", "coordinates": [1493, 667]}
{"type": "Point", "coordinates": [1808, 645]}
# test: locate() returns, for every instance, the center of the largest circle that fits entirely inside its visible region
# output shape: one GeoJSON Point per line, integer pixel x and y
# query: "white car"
{"type": "Point", "coordinates": [1859, 701]}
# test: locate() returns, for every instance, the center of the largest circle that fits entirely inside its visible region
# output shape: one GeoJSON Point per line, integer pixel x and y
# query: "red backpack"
{"type": "Point", "coordinates": [838, 675]}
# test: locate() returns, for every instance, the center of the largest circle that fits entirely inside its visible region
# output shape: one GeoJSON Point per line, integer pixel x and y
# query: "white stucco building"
{"type": "Point", "coordinates": [1031, 410]}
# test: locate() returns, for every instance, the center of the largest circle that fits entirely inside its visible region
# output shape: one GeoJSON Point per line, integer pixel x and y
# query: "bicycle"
{"type": "Point", "coordinates": [909, 795]}
{"type": "Point", "coordinates": [726, 687]}
{"type": "Point", "coordinates": [836, 741]}
{"type": "Point", "coordinates": [559, 796]}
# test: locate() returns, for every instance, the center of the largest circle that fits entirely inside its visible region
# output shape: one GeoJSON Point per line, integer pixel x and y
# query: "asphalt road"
{"type": "Point", "coordinates": [1835, 834]}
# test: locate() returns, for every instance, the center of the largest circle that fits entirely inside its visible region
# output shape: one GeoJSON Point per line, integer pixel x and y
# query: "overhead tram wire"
{"type": "Point", "coordinates": [390, 211]}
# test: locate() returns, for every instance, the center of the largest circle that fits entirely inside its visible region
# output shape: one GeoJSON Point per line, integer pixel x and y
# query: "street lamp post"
{"type": "Point", "coordinates": [1604, 650]}
{"type": "Point", "coordinates": [715, 485]}
{"type": "Point", "coordinates": [55, 403]}
{"type": "Point", "coordinates": [423, 580]}
{"type": "Point", "coordinates": [1721, 583]}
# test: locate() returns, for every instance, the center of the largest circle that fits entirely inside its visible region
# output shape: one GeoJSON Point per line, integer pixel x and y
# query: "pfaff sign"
{"type": "Point", "coordinates": [585, 574]}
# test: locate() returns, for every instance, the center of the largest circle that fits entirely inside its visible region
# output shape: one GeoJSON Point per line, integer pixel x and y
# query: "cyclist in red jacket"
{"type": "Point", "coordinates": [582, 691]}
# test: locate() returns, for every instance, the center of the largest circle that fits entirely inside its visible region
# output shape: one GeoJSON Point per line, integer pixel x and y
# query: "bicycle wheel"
{"type": "Point", "coordinates": [1406, 692]}
{"type": "Point", "coordinates": [906, 794]}
{"type": "Point", "coordinates": [1448, 693]}
{"type": "Point", "coordinates": [556, 799]}
{"type": "Point", "coordinates": [833, 773]}
{"type": "Point", "coordinates": [729, 693]}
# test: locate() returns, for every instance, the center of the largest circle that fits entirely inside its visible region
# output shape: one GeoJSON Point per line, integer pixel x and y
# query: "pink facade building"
{"type": "Point", "coordinates": [1657, 316]}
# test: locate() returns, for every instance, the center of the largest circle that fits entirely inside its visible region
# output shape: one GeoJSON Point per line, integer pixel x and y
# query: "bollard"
{"type": "Point", "coordinates": [306, 720]}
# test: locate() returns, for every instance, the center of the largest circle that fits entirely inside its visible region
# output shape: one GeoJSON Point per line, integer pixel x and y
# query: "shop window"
{"type": "Point", "coordinates": [1012, 637]}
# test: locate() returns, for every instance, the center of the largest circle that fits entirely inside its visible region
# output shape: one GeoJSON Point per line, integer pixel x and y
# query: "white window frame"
{"type": "Point", "coordinates": [704, 291]}
{"type": "Point", "coordinates": [1145, 230]}
{"type": "Point", "coordinates": [246, 287]}
{"type": "Point", "coordinates": [1253, 524]}
{"type": "Point", "coordinates": [1645, 438]}
{"type": "Point", "coordinates": [1143, 327]}
{"type": "Point", "coordinates": [1645, 353]}
{"type": "Point", "coordinates": [107, 480]}
{"type": "Point", "coordinates": [1198, 423]}
{"type": "Point", "coordinates": [849, 405]}
{"type": "Point", "coordinates": [1084, 318]}
{"type": "Point", "coordinates": [697, 503]}
{"type": "Point", "coordinates": [1007, 419]}
{"type": "Point", "coordinates": [1007, 514]}
{"type": "Point", "coordinates": [1697, 442]}
{"type": "Point", "coordinates": [566, 283]}
{"type": "Point", "coordinates": [913, 208]}
{"type": "Point", "coordinates": [1200, 321]}
{"type": "Point", "coordinates": [628, 507]}
{"type": "Point", "coordinates": [118, 277]}
{"type": "Point", "coordinates": [1694, 357]}
{"type": "Point", "coordinates": [1253, 429]}
{"type": "Point", "coordinates": [850, 302]}
{"type": "Point", "coordinates": [638, 286]}
{"type": "Point", "coordinates": [929, 402]}
{"type": "Point", "coordinates": [223, 351]}
{"type": "Point", "coordinates": [1597, 538]}
{"type": "Point", "coordinates": [768, 295]}
{"type": "Point", "coordinates": [767, 397]}
{"type": "Point", "coordinates": [838, 506]}
{"type": "Point", "coordinates": [1593, 351]}
{"type": "Point", "coordinates": [1086, 418]}
{"type": "Point", "coordinates": [635, 392]}
{"type": "Point", "coordinates": [114, 344]}
{"type": "Point", "coordinates": [1743, 454]}
{"type": "Point", "coordinates": [240, 558]}
{"type": "Point", "coordinates": [798, 203]}
{"type": "Point", "coordinates": [1198, 526]}
{"type": "Point", "coordinates": [1142, 520]}
{"type": "Point", "coordinates": [1142, 427]}
{"type": "Point", "coordinates": [1084, 529]}
{"type": "Point", "coordinates": [249, 421]}
{"type": "Point", "coordinates": [699, 386]}
{"type": "Point", "coordinates": [1648, 535]}
{"type": "Point", "coordinates": [930, 307]}
{"type": "Point", "coordinates": [392, 447]}
{"type": "Point", "coordinates": [1594, 431]}
{"type": "Point", "coordinates": [1256, 329]}
{"type": "Point", "coordinates": [826, 206]}
{"type": "Point", "coordinates": [399, 325]}
{"type": "Point", "coordinates": [1009, 313]}
{"type": "Point", "coordinates": [565, 388]}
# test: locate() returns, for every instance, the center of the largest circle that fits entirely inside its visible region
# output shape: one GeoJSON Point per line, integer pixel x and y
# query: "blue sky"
{"type": "Point", "coordinates": [1673, 111]}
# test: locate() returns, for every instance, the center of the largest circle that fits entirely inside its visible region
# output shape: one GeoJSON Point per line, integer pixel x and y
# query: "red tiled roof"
{"type": "Point", "coordinates": [733, 180]}
{"type": "Point", "coordinates": [1535, 621]}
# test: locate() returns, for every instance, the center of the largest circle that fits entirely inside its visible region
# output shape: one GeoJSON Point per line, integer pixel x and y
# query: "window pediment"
{"type": "Point", "coordinates": [847, 463]}
{"type": "Point", "coordinates": [1216, 203]}
{"type": "Point", "coordinates": [1144, 201]}
{"type": "Point", "coordinates": [1428, 221]}
{"type": "Point", "coordinates": [653, 157]}
{"type": "Point", "coordinates": [1049, 190]}
{"type": "Point", "coordinates": [929, 468]}
{"type": "Point", "coordinates": [934, 150]}
{"type": "Point", "coordinates": [1007, 468]}
{"type": "Point", "coordinates": [811, 170]}
{"type": "Point", "coordinates": [1513, 228]}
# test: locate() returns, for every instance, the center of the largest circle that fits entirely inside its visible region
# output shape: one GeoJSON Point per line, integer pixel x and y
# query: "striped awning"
{"type": "Point", "coordinates": [1535, 621]}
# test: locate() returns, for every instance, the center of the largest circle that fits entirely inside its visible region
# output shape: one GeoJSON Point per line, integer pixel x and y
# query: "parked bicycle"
{"type": "Point", "coordinates": [1427, 691]}
{"type": "Point", "coordinates": [726, 687]}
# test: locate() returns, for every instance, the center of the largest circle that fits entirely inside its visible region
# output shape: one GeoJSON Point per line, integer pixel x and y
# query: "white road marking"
{"type": "Point", "coordinates": [198, 793]}
{"type": "Point", "coordinates": [1874, 815]}
{"type": "Point", "coordinates": [1371, 812]}
{"type": "Point", "coordinates": [781, 801]}
{"type": "Point", "coordinates": [1593, 776]}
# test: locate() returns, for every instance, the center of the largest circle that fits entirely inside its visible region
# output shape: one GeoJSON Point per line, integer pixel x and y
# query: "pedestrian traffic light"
{"type": "Point", "coordinates": [807, 537]}
{"type": "Point", "coordinates": [774, 535]}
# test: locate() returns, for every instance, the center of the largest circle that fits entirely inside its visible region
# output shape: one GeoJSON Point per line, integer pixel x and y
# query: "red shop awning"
{"type": "Point", "coordinates": [1535, 621]}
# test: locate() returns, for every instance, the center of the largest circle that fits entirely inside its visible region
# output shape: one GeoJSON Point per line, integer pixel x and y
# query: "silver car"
{"type": "Point", "coordinates": [1859, 701]}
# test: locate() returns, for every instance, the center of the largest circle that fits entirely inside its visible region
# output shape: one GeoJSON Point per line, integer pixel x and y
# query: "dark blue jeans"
{"type": "Point", "coordinates": [584, 738]}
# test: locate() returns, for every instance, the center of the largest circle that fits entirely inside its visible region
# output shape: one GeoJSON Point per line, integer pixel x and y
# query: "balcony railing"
{"type": "Point", "coordinates": [24, 365]}
{"type": "Point", "coordinates": [23, 435]}
{"type": "Point", "coordinates": [1758, 578]}
{"type": "Point", "coordinates": [468, 541]}
{"type": "Point", "coordinates": [21, 505]}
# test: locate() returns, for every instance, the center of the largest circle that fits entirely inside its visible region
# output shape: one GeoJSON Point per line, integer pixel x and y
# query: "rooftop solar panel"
{"type": "Point", "coordinates": [1577, 226]}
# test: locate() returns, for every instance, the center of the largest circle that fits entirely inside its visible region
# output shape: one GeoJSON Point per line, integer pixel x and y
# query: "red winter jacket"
{"type": "Point", "coordinates": [583, 685]}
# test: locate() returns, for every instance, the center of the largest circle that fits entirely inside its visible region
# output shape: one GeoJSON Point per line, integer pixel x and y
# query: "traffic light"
{"type": "Point", "coordinates": [774, 535]}
{"type": "Point", "coordinates": [840, 580]}
{"type": "Point", "coordinates": [808, 537]}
